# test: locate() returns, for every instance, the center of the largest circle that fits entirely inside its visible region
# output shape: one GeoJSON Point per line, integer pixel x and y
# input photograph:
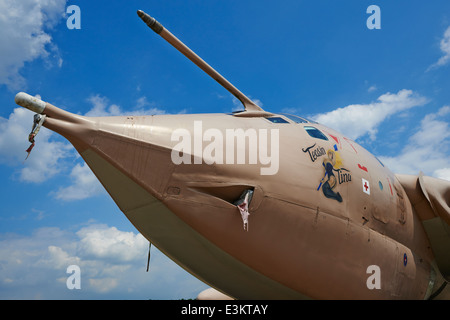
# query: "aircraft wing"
{"type": "Point", "coordinates": [430, 198]}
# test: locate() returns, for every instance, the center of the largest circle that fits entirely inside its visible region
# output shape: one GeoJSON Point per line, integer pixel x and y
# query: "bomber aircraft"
{"type": "Point", "coordinates": [263, 205]}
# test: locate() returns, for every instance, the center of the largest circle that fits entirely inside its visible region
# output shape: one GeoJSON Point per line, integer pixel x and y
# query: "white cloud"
{"type": "Point", "coordinates": [112, 264]}
{"type": "Point", "coordinates": [102, 108]}
{"type": "Point", "coordinates": [357, 120]}
{"type": "Point", "coordinates": [84, 184]}
{"type": "Point", "coordinates": [23, 26]}
{"type": "Point", "coordinates": [443, 174]}
{"type": "Point", "coordinates": [445, 48]}
{"type": "Point", "coordinates": [45, 159]}
{"type": "Point", "coordinates": [372, 89]}
{"type": "Point", "coordinates": [103, 285]}
{"type": "Point", "coordinates": [111, 244]}
{"type": "Point", "coordinates": [427, 150]}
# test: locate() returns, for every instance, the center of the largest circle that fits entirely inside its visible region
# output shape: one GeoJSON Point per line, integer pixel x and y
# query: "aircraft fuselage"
{"type": "Point", "coordinates": [316, 226]}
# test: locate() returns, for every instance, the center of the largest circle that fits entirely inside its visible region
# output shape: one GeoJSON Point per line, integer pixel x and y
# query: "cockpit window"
{"type": "Point", "coordinates": [277, 120]}
{"type": "Point", "coordinates": [315, 133]}
{"type": "Point", "coordinates": [296, 119]}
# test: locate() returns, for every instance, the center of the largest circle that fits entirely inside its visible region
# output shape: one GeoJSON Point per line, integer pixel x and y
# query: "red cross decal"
{"type": "Point", "coordinates": [366, 186]}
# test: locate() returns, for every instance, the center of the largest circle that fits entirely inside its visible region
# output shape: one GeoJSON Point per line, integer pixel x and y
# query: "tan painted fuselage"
{"type": "Point", "coordinates": [301, 241]}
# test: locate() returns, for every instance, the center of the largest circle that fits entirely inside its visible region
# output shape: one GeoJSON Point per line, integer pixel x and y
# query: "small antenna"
{"type": "Point", "coordinates": [148, 257]}
{"type": "Point", "coordinates": [249, 105]}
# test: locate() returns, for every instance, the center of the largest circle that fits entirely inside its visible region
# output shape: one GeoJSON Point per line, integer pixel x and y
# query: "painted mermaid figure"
{"type": "Point", "coordinates": [330, 183]}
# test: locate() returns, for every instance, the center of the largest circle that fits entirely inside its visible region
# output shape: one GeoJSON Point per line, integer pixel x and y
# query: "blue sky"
{"type": "Point", "coordinates": [386, 88]}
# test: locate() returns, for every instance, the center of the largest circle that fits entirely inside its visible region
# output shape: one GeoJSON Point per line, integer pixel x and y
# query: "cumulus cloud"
{"type": "Point", "coordinates": [111, 243]}
{"type": "Point", "coordinates": [102, 108]}
{"type": "Point", "coordinates": [443, 173]}
{"type": "Point", "coordinates": [427, 150]}
{"type": "Point", "coordinates": [84, 184]}
{"type": "Point", "coordinates": [24, 36]}
{"type": "Point", "coordinates": [372, 88]}
{"type": "Point", "coordinates": [112, 264]}
{"type": "Point", "coordinates": [445, 48]}
{"type": "Point", "coordinates": [357, 120]}
{"type": "Point", "coordinates": [45, 159]}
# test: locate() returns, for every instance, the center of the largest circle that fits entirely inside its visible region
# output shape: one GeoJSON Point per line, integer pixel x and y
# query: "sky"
{"type": "Point", "coordinates": [387, 88]}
